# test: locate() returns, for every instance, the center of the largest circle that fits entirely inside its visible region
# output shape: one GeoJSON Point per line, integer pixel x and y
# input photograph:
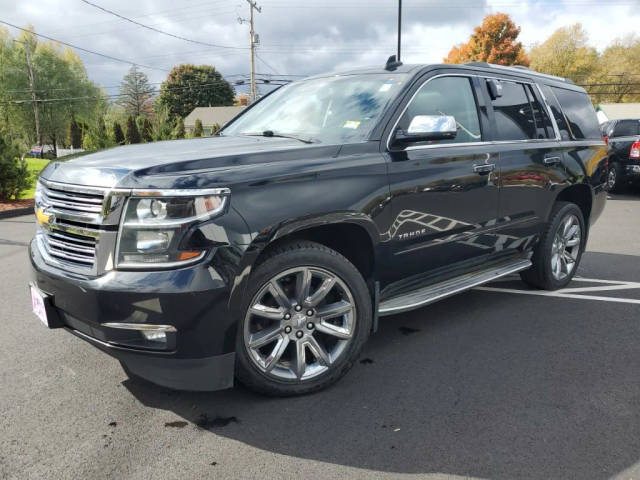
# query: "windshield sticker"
{"type": "Point", "coordinates": [385, 87]}
{"type": "Point", "coordinates": [351, 124]}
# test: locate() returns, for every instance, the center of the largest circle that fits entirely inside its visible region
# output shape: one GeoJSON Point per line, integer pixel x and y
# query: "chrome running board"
{"type": "Point", "coordinates": [432, 293]}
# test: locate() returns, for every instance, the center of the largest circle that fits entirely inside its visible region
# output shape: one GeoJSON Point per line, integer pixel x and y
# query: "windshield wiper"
{"type": "Point", "coordinates": [271, 133]}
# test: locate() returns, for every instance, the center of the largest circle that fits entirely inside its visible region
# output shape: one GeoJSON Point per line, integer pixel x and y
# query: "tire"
{"type": "Point", "coordinates": [614, 178]}
{"type": "Point", "coordinates": [306, 349]}
{"type": "Point", "coordinates": [544, 272]}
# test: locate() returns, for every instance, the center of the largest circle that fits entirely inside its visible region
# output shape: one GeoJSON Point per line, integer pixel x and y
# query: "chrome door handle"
{"type": "Point", "coordinates": [551, 160]}
{"type": "Point", "coordinates": [484, 168]}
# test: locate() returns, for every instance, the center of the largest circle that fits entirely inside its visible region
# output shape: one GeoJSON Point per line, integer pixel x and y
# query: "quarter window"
{"type": "Point", "coordinates": [580, 113]}
{"type": "Point", "coordinates": [447, 96]}
{"type": "Point", "coordinates": [514, 113]}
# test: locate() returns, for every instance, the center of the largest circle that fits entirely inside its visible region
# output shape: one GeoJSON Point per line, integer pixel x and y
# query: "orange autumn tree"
{"type": "Point", "coordinates": [495, 41]}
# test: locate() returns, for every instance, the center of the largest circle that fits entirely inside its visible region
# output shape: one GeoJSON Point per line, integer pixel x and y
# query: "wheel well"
{"type": "Point", "coordinates": [348, 239]}
{"type": "Point", "coordinates": [581, 196]}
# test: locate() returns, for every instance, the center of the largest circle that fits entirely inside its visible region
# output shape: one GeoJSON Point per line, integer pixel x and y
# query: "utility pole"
{"type": "Point", "coordinates": [253, 95]}
{"type": "Point", "coordinates": [33, 90]}
{"type": "Point", "coordinates": [399, 28]}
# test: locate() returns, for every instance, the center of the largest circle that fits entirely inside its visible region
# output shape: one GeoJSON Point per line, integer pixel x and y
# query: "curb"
{"type": "Point", "coordinates": [16, 212]}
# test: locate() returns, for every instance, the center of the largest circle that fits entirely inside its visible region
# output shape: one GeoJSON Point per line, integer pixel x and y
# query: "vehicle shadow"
{"type": "Point", "coordinates": [483, 384]}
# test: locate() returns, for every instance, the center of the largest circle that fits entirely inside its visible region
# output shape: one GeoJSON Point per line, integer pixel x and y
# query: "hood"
{"type": "Point", "coordinates": [122, 166]}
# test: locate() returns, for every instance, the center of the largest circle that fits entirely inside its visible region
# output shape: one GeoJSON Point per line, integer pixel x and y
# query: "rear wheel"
{"type": "Point", "coordinates": [307, 315]}
{"type": "Point", "coordinates": [557, 255]}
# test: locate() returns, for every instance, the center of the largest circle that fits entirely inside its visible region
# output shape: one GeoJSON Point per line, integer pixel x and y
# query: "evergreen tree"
{"type": "Point", "coordinates": [118, 136]}
{"type": "Point", "coordinates": [136, 93]}
{"type": "Point", "coordinates": [179, 130]}
{"type": "Point", "coordinates": [197, 128]}
{"type": "Point", "coordinates": [131, 133]}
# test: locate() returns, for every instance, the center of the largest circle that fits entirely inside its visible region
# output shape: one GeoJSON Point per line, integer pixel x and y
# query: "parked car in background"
{"type": "Point", "coordinates": [623, 138]}
{"type": "Point", "coordinates": [268, 253]}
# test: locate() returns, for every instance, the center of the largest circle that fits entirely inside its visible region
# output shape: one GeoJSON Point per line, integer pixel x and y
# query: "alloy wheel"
{"type": "Point", "coordinates": [299, 323]}
{"type": "Point", "coordinates": [566, 247]}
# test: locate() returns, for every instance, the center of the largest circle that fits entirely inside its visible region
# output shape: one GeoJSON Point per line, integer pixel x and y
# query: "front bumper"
{"type": "Point", "coordinates": [198, 355]}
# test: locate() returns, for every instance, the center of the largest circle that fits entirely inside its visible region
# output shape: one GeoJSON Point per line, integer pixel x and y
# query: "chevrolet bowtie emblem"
{"type": "Point", "coordinates": [42, 216]}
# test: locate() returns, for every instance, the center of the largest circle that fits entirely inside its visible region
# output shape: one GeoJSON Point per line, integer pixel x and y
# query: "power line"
{"type": "Point", "coordinates": [266, 64]}
{"type": "Point", "coordinates": [157, 30]}
{"type": "Point", "coordinates": [82, 49]}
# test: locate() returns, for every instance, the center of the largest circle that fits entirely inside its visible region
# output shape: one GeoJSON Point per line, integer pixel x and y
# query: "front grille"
{"type": "Point", "coordinates": [65, 242]}
{"type": "Point", "coordinates": [83, 204]}
{"type": "Point", "coordinates": [78, 225]}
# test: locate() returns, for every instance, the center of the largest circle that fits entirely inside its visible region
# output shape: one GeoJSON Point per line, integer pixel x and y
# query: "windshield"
{"type": "Point", "coordinates": [339, 109]}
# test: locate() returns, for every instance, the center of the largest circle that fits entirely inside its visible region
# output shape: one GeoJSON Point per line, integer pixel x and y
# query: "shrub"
{"type": "Point", "coordinates": [118, 136]}
{"type": "Point", "coordinates": [74, 134]}
{"type": "Point", "coordinates": [131, 133]}
{"type": "Point", "coordinates": [197, 128]}
{"type": "Point", "coordinates": [179, 132]}
{"type": "Point", "coordinates": [14, 176]}
{"type": "Point", "coordinates": [145, 130]}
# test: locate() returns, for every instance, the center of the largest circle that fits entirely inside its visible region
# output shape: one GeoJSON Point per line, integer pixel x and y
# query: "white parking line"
{"type": "Point", "coordinates": [574, 292]}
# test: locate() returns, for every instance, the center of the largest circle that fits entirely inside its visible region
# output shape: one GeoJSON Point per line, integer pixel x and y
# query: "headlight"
{"type": "Point", "coordinates": [154, 223]}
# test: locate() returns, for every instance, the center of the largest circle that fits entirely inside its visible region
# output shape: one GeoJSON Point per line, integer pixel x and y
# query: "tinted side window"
{"type": "Point", "coordinates": [565, 133]}
{"type": "Point", "coordinates": [447, 96]}
{"type": "Point", "coordinates": [626, 128]}
{"type": "Point", "coordinates": [580, 113]}
{"type": "Point", "coordinates": [513, 112]}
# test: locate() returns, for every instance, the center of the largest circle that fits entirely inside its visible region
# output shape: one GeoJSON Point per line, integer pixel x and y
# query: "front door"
{"type": "Point", "coordinates": [443, 193]}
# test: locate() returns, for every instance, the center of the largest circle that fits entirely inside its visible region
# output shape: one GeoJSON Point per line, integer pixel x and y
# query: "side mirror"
{"type": "Point", "coordinates": [424, 128]}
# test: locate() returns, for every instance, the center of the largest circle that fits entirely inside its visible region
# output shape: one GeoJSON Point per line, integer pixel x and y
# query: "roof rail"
{"type": "Point", "coordinates": [515, 69]}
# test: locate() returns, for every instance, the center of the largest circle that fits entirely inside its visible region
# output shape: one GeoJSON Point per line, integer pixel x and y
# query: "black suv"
{"type": "Point", "coordinates": [268, 253]}
{"type": "Point", "coordinates": [623, 137]}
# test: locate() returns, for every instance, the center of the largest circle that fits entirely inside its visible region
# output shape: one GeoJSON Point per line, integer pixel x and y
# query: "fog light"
{"type": "Point", "coordinates": [154, 336]}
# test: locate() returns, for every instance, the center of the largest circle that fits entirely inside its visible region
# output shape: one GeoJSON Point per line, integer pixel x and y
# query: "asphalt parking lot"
{"type": "Point", "coordinates": [497, 383]}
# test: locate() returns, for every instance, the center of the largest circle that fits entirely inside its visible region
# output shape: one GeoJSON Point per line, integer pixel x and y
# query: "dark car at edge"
{"type": "Point", "coordinates": [623, 139]}
{"type": "Point", "coordinates": [269, 253]}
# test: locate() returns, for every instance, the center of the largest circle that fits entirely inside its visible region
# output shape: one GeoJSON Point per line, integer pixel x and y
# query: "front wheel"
{"type": "Point", "coordinates": [307, 316]}
{"type": "Point", "coordinates": [557, 255]}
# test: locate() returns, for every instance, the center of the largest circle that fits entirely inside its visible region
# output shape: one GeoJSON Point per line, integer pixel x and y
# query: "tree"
{"type": "Point", "coordinates": [131, 133]}
{"type": "Point", "coordinates": [74, 134]}
{"type": "Point", "coordinates": [191, 86]}
{"type": "Point", "coordinates": [197, 128]}
{"type": "Point", "coordinates": [618, 72]}
{"type": "Point", "coordinates": [145, 129]}
{"type": "Point", "coordinates": [179, 130]}
{"type": "Point", "coordinates": [566, 53]}
{"type": "Point", "coordinates": [58, 73]}
{"type": "Point", "coordinates": [118, 136]}
{"type": "Point", "coordinates": [495, 41]}
{"type": "Point", "coordinates": [136, 94]}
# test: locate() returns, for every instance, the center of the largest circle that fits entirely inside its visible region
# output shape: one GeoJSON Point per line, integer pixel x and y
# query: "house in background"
{"type": "Point", "coordinates": [617, 111]}
{"type": "Point", "coordinates": [211, 117]}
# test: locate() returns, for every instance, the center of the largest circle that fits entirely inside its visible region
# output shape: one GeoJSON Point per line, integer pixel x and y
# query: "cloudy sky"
{"type": "Point", "coordinates": [297, 37]}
